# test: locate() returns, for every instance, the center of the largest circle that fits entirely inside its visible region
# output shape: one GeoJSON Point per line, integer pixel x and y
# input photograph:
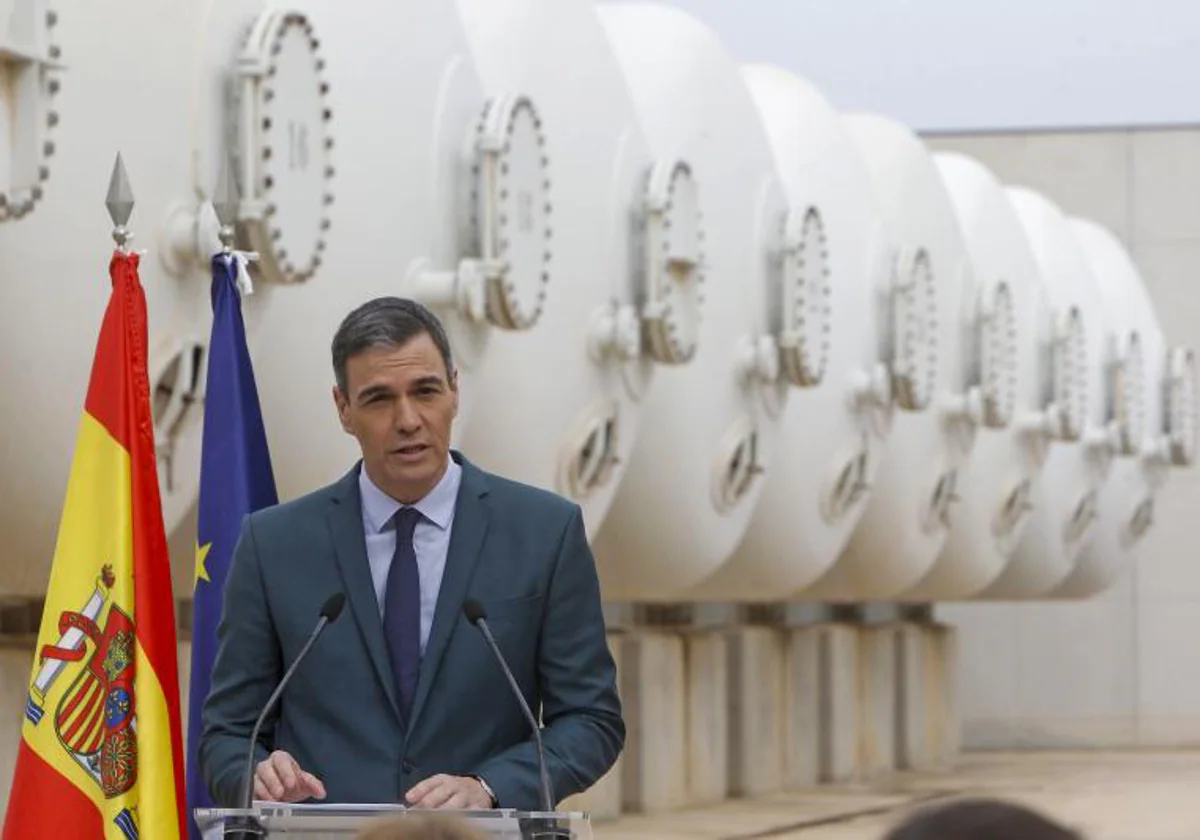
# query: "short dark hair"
{"type": "Point", "coordinates": [386, 322]}
{"type": "Point", "coordinates": [980, 818]}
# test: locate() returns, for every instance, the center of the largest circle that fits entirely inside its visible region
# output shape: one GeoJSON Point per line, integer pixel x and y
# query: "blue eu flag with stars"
{"type": "Point", "coordinates": [235, 479]}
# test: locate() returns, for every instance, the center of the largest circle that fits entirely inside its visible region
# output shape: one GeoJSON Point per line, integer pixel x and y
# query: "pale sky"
{"type": "Point", "coordinates": [954, 64]}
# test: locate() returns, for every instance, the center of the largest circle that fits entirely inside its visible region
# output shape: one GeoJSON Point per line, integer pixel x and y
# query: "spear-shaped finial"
{"type": "Point", "coordinates": [225, 203]}
{"type": "Point", "coordinates": [120, 203]}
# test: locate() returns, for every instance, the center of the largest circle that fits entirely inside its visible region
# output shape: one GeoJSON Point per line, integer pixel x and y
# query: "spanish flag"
{"type": "Point", "coordinates": [101, 752]}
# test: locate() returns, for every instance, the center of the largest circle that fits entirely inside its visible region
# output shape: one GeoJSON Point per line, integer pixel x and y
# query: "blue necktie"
{"type": "Point", "coordinates": [402, 610]}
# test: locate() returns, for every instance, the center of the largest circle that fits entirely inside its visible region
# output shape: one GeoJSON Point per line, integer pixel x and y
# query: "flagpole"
{"type": "Point", "coordinates": [235, 468]}
{"type": "Point", "coordinates": [225, 205]}
{"type": "Point", "coordinates": [160, 765]}
{"type": "Point", "coordinates": [107, 642]}
{"type": "Point", "coordinates": [120, 204]}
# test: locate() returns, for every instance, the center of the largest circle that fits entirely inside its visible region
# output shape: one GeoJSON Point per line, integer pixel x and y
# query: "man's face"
{"type": "Point", "coordinates": [400, 405]}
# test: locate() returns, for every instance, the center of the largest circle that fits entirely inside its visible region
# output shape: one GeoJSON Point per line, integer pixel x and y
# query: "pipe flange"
{"type": "Point", "coordinates": [804, 338]}
{"type": "Point", "coordinates": [283, 146]}
{"type": "Point", "coordinates": [513, 211]}
{"type": "Point", "coordinates": [35, 79]}
{"type": "Point", "coordinates": [1128, 390]}
{"type": "Point", "coordinates": [1180, 407]}
{"type": "Point", "coordinates": [915, 345]}
{"type": "Point", "coordinates": [998, 357]}
{"type": "Point", "coordinates": [673, 282]}
{"type": "Point", "coordinates": [1070, 375]}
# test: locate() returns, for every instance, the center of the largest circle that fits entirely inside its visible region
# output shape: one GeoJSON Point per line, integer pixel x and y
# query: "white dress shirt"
{"type": "Point", "coordinates": [431, 539]}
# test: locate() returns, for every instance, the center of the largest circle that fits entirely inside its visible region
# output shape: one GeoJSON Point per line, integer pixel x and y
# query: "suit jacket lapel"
{"type": "Point", "coordinates": [346, 528]}
{"type": "Point", "coordinates": [466, 543]}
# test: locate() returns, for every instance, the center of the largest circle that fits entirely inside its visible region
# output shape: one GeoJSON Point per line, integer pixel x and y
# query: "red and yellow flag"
{"type": "Point", "coordinates": [101, 751]}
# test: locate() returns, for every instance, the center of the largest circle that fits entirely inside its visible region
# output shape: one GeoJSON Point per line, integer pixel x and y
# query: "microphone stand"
{"type": "Point", "coordinates": [543, 828]}
{"type": "Point", "coordinates": [247, 826]}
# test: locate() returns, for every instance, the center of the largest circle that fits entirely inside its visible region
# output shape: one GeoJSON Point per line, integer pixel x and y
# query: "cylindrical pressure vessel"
{"type": "Point", "coordinates": [439, 197]}
{"type": "Point", "coordinates": [908, 515]}
{"type": "Point", "coordinates": [1008, 311]}
{"type": "Point", "coordinates": [832, 434]}
{"type": "Point", "coordinates": [710, 427]}
{"type": "Point", "coordinates": [79, 92]}
{"type": "Point", "coordinates": [1064, 500]}
{"type": "Point", "coordinates": [613, 311]}
{"type": "Point", "coordinates": [1136, 365]}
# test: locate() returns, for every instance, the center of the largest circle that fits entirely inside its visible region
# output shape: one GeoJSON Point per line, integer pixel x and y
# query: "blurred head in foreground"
{"type": "Point", "coordinates": [423, 827]}
{"type": "Point", "coordinates": [980, 819]}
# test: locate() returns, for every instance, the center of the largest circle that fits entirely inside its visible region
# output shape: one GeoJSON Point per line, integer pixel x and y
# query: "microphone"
{"type": "Point", "coordinates": [330, 611]}
{"type": "Point", "coordinates": [478, 616]}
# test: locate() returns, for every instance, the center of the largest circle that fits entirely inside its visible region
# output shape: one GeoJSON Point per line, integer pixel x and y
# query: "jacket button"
{"type": "Point", "coordinates": [408, 766]}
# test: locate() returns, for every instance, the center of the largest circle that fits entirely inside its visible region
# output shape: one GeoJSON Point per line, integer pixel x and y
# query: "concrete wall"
{"type": "Point", "coordinates": [1123, 668]}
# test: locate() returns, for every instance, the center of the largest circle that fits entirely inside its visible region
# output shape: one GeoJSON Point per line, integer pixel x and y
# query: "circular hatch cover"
{"type": "Point", "coordinates": [1129, 388]}
{"type": "Point", "coordinates": [512, 212]}
{"type": "Point", "coordinates": [914, 326]}
{"type": "Point", "coordinates": [674, 275]}
{"type": "Point", "coordinates": [1181, 407]}
{"type": "Point", "coordinates": [998, 356]}
{"type": "Point", "coordinates": [1070, 374]}
{"type": "Point", "coordinates": [283, 146]}
{"type": "Point", "coordinates": [30, 75]}
{"type": "Point", "coordinates": [804, 338]}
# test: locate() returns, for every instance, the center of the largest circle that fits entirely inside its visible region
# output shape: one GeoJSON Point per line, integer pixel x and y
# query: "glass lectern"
{"type": "Point", "coordinates": [327, 822]}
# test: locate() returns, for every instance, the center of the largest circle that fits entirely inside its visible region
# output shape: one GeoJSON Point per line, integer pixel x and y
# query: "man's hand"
{"type": "Point", "coordinates": [279, 778]}
{"type": "Point", "coordinates": [442, 791]}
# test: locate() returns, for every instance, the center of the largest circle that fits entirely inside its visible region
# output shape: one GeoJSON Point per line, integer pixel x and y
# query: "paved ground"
{"type": "Point", "coordinates": [1107, 795]}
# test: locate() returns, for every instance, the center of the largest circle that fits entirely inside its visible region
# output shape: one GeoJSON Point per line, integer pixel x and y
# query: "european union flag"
{"type": "Point", "coordinates": [235, 479]}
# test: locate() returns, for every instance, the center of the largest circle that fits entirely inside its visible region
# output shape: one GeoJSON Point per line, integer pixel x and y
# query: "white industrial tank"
{"type": "Point", "coordinates": [1064, 500]}
{"type": "Point", "coordinates": [439, 196]}
{"type": "Point", "coordinates": [1136, 365]}
{"type": "Point", "coordinates": [559, 405]}
{"type": "Point", "coordinates": [1008, 308]}
{"type": "Point", "coordinates": [710, 427]}
{"type": "Point", "coordinates": [908, 515]}
{"type": "Point", "coordinates": [832, 435]}
{"type": "Point", "coordinates": [77, 93]}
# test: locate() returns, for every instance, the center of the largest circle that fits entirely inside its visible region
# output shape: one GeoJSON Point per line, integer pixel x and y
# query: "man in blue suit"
{"type": "Point", "coordinates": [404, 701]}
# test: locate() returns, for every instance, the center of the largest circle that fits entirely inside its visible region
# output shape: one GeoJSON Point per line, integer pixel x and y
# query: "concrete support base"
{"type": "Point", "coordinates": [942, 722]}
{"type": "Point", "coordinates": [912, 698]}
{"type": "Point", "coordinates": [653, 695]}
{"type": "Point", "coordinates": [756, 710]}
{"type": "Point", "coordinates": [926, 710]}
{"type": "Point", "coordinates": [733, 712]}
{"type": "Point", "coordinates": [803, 696]}
{"type": "Point", "coordinates": [603, 799]}
{"type": "Point", "coordinates": [876, 701]}
{"type": "Point", "coordinates": [707, 674]}
{"type": "Point", "coordinates": [820, 723]}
